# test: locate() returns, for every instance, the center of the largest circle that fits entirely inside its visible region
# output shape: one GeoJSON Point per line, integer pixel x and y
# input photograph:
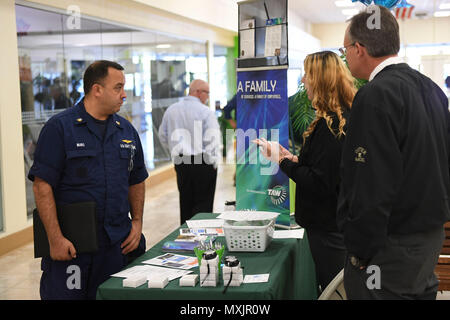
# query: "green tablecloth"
{"type": "Point", "coordinates": [288, 261]}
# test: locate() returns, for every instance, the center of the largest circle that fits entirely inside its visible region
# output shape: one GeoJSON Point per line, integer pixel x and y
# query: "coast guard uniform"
{"type": "Point", "coordinates": [84, 159]}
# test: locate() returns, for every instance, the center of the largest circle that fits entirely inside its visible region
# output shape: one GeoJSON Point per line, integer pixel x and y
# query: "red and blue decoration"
{"type": "Point", "coordinates": [385, 3]}
{"type": "Point", "coordinates": [404, 10]}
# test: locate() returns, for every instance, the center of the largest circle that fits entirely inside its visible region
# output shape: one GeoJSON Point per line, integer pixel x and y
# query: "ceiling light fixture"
{"type": "Point", "coordinates": [163, 46]}
{"type": "Point", "coordinates": [350, 12]}
{"type": "Point", "coordinates": [442, 14]}
{"type": "Point", "coordinates": [344, 3]}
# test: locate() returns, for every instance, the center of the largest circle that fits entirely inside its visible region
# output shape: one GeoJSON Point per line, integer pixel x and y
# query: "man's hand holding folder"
{"type": "Point", "coordinates": [62, 249]}
{"type": "Point", "coordinates": [60, 232]}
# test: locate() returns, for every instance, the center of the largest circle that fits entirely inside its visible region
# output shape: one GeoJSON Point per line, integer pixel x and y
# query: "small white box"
{"type": "Point", "coordinates": [237, 277]}
{"type": "Point", "coordinates": [233, 283]}
{"type": "Point", "coordinates": [134, 281]}
{"type": "Point", "coordinates": [235, 270]}
{"type": "Point", "coordinates": [208, 283]}
{"type": "Point", "coordinates": [211, 262]}
{"type": "Point", "coordinates": [157, 282]}
{"type": "Point", "coordinates": [189, 280]}
{"type": "Point", "coordinates": [209, 277]}
{"type": "Point", "coordinates": [212, 269]}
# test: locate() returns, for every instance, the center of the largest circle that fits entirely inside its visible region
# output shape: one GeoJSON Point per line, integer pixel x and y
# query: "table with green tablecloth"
{"type": "Point", "coordinates": [288, 261]}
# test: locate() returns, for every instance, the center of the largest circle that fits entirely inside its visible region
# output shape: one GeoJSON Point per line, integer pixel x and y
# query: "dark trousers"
{"type": "Point", "coordinates": [328, 252]}
{"type": "Point", "coordinates": [78, 279]}
{"type": "Point", "coordinates": [197, 185]}
{"type": "Point", "coordinates": [404, 270]}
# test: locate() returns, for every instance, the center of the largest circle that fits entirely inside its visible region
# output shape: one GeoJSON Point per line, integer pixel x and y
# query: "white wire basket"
{"type": "Point", "coordinates": [248, 238]}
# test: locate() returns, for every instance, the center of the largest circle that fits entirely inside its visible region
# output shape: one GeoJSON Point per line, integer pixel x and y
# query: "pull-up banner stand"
{"type": "Point", "coordinates": [262, 106]}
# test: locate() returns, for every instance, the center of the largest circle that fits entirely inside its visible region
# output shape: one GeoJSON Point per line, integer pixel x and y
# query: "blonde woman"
{"type": "Point", "coordinates": [315, 171]}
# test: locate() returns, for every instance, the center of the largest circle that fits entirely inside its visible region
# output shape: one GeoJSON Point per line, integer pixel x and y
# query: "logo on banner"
{"type": "Point", "coordinates": [278, 194]}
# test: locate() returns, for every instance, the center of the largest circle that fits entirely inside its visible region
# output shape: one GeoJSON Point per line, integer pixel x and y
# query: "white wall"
{"type": "Point", "coordinates": [413, 31]}
{"type": "Point", "coordinates": [432, 67]}
{"type": "Point", "coordinates": [301, 41]}
{"type": "Point", "coordinates": [12, 171]}
{"type": "Point", "coordinates": [219, 13]}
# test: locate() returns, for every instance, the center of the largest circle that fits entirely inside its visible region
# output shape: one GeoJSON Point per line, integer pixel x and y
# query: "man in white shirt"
{"type": "Point", "coordinates": [191, 132]}
{"type": "Point", "coordinates": [395, 184]}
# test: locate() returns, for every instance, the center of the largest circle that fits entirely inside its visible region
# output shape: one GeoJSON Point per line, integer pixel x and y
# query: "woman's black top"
{"type": "Point", "coordinates": [317, 176]}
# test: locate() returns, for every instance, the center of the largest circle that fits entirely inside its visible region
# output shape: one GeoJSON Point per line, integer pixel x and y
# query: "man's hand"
{"type": "Point", "coordinates": [133, 239]}
{"type": "Point", "coordinates": [61, 249]}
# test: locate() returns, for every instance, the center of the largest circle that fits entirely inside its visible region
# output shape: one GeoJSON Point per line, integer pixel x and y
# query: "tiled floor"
{"type": "Point", "coordinates": [20, 272]}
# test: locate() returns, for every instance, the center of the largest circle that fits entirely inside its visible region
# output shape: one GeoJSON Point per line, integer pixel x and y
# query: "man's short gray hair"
{"type": "Point", "coordinates": [381, 41]}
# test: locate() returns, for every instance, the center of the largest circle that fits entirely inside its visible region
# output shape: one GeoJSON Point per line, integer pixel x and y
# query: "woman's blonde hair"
{"type": "Point", "coordinates": [332, 87]}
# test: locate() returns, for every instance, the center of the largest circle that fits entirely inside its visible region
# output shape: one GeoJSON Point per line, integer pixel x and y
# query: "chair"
{"type": "Point", "coordinates": [335, 289]}
{"type": "Point", "coordinates": [443, 266]}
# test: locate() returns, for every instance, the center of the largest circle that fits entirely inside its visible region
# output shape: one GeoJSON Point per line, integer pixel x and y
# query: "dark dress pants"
{"type": "Point", "coordinates": [79, 278]}
{"type": "Point", "coordinates": [197, 185]}
{"type": "Point", "coordinates": [328, 252]}
{"type": "Point", "coordinates": [405, 266]}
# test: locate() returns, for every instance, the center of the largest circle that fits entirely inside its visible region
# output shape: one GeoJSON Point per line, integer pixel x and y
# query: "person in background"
{"type": "Point", "coordinates": [192, 134]}
{"type": "Point", "coordinates": [229, 115]}
{"type": "Point", "coordinates": [394, 195]}
{"type": "Point", "coordinates": [330, 87]}
{"type": "Point", "coordinates": [60, 101]}
{"type": "Point", "coordinates": [89, 153]}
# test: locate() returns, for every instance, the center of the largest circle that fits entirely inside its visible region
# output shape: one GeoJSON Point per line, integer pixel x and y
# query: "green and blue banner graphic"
{"type": "Point", "coordinates": [262, 112]}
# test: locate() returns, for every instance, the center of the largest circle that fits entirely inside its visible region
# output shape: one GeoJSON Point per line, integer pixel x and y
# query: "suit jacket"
{"type": "Point", "coordinates": [395, 161]}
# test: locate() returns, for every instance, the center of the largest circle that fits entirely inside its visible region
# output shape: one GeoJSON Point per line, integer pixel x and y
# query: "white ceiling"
{"type": "Point", "coordinates": [325, 11]}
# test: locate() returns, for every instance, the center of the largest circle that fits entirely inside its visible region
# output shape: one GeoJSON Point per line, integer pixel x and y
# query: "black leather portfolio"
{"type": "Point", "coordinates": [78, 223]}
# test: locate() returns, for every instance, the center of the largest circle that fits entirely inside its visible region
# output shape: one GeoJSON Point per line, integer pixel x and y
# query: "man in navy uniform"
{"type": "Point", "coordinates": [395, 168]}
{"type": "Point", "coordinates": [89, 153]}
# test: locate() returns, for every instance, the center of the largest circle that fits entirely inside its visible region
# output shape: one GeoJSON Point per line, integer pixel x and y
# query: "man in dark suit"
{"type": "Point", "coordinates": [395, 168]}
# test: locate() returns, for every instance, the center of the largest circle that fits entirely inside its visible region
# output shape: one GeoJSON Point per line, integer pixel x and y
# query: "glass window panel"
{"type": "Point", "coordinates": [54, 52]}
{"type": "Point", "coordinates": [219, 83]}
{"type": "Point", "coordinates": [82, 46]}
{"type": "Point", "coordinates": [42, 77]}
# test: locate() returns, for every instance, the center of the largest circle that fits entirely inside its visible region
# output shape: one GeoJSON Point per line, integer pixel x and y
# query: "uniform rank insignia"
{"type": "Point", "coordinates": [127, 141]}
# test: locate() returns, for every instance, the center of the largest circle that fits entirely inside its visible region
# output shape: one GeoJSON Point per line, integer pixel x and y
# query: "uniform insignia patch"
{"type": "Point", "coordinates": [360, 154]}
